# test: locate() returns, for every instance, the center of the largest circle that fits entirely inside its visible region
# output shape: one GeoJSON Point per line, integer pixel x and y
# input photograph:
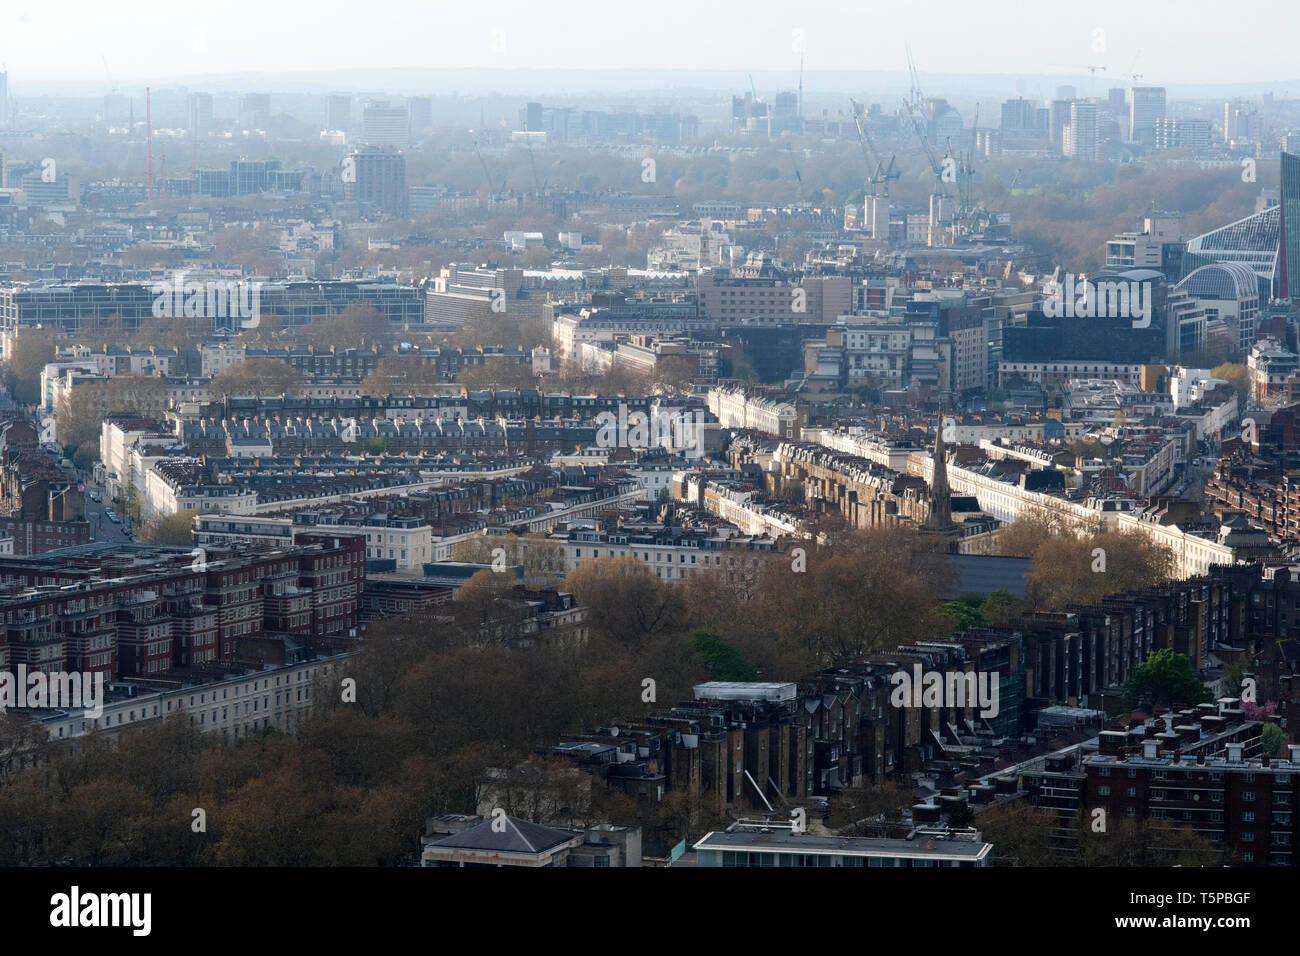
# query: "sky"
{"type": "Point", "coordinates": [59, 43]}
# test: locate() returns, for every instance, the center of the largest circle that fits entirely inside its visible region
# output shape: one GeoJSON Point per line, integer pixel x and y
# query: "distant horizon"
{"type": "Point", "coordinates": [526, 81]}
{"type": "Point", "coordinates": [1201, 44]}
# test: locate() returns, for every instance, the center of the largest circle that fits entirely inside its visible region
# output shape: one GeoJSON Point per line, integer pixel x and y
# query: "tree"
{"type": "Point", "coordinates": [31, 350]}
{"type": "Point", "coordinates": [1166, 677]}
{"type": "Point", "coordinates": [965, 612]}
{"type": "Point", "coordinates": [255, 377]}
{"type": "Point", "coordinates": [82, 411]}
{"type": "Point", "coordinates": [402, 375]}
{"type": "Point", "coordinates": [624, 599]}
{"type": "Point", "coordinates": [1238, 376]}
{"type": "Point", "coordinates": [174, 529]}
{"type": "Point", "coordinates": [673, 375]}
{"type": "Point", "coordinates": [723, 661]}
{"type": "Point", "coordinates": [867, 808]}
{"type": "Point", "coordinates": [358, 326]}
{"type": "Point", "coordinates": [1084, 570]}
{"type": "Point", "coordinates": [543, 561]}
{"type": "Point", "coordinates": [1272, 739]}
{"type": "Point", "coordinates": [497, 372]}
{"type": "Point", "coordinates": [1021, 834]}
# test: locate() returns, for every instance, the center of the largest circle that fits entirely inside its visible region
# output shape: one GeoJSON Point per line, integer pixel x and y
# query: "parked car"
{"type": "Point", "coordinates": [94, 496]}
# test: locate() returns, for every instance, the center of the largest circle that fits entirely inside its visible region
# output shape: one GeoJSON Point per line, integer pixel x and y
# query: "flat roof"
{"type": "Point", "coordinates": [934, 845]}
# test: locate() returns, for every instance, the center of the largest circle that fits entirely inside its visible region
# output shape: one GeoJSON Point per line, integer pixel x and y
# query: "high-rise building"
{"type": "Point", "coordinates": [385, 125]}
{"type": "Point", "coordinates": [1060, 110]}
{"type": "Point", "coordinates": [533, 117]}
{"type": "Point", "coordinates": [1080, 137]}
{"type": "Point", "coordinates": [1145, 109]}
{"type": "Point", "coordinates": [1289, 252]}
{"type": "Point", "coordinates": [875, 217]}
{"type": "Point", "coordinates": [255, 109]}
{"type": "Point", "coordinates": [1067, 93]}
{"type": "Point", "coordinates": [1268, 241]}
{"type": "Point", "coordinates": [420, 109]}
{"type": "Point", "coordinates": [4, 99]}
{"type": "Point", "coordinates": [379, 178]}
{"type": "Point", "coordinates": [1117, 101]}
{"type": "Point", "coordinates": [1241, 121]}
{"type": "Point", "coordinates": [200, 111]}
{"type": "Point", "coordinates": [1018, 114]}
{"type": "Point", "coordinates": [1182, 133]}
{"type": "Point", "coordinates": [338, 111]}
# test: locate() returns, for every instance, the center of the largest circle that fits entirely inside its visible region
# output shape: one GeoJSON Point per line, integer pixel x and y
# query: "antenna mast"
{"type": "Point", "coordinates": [148, 122]}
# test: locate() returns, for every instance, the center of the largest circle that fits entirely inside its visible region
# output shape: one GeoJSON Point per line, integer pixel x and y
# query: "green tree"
{"type": "Point", "coordinates": [1166, 677]}
{"type": "Point", "coordinates": [723, 661]}
{"type": "Point", "coordinates": [1272, 739]}
{"type": "Point", "coordinates": [965, 612]}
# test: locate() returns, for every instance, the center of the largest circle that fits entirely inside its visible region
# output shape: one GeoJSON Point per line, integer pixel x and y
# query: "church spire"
{"type": "Point", "coordinates": [940, 516]}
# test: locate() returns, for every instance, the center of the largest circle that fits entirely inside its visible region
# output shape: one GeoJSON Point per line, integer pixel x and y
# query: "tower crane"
{"type": "Point", "coordinates": [1092, 72]}
{"type": "Point", "coordinates": [879, 173]}
{"type": "Point", "coordinates": [797, 176]}
{"type": "Point", "coordinates": [486, 175]}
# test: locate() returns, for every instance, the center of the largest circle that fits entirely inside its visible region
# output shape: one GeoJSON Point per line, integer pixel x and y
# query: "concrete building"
{"type": "Point", "coordinates": [1146, 110]}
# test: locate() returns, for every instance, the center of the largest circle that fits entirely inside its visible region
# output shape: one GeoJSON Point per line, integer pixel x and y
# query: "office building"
{"type": "Point", "coordinates": [200, 112]}
{"type": "Point", "coordinates": [1268, 241]}
{"type": "Point", "coordinates": [1018, 114]}
{"type": "Point", "coordinates": [385, 125]}
{"type": "Point", "coordinates": [1080, 137]}
{"type": "Point", "coordinates": [338, 111]}
{"type": "Point", "coordinates": [255, 110]}
{"type": "Point", "coordinates": [420, 110]}
{"type": "Point", "coordinates": [379, 179]}
{"type": "Point", "coordinates": [1289, 253]}
{"type": "Point", "coordinates": [1146, 108]}
{"type": "Point", "coordinates": [1176, 133]}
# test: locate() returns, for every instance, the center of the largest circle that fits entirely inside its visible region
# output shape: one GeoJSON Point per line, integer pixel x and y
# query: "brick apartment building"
{"type": "Point", "coordinates": [1201, 767]}
{"type": "Point", "coordinates": [139, 612]}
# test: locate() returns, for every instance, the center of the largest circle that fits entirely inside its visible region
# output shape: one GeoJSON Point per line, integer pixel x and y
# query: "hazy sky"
{"type": "Point", "coordinates": [1188, 41]}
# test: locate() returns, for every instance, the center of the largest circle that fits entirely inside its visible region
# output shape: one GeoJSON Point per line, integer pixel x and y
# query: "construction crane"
{"type": "Point", "coordinates": [968, 209]}
{"type": "Point", "coordinates": [528, 141]}
{"type": "Point", "coordinates": [1133, 77]}
{"type": "Point", "coordinates": [914, 77]}
{"type": "Point", "coordinates": [797, 176]}
{"type": "Point", "coordinates": [486, 175]}
{"type": "Point", "coordinates": [879, 174]}
{"type": "Point", "coordinates": [1092, 72]}
{"type": "Point", "coordinates": [935, 166]}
